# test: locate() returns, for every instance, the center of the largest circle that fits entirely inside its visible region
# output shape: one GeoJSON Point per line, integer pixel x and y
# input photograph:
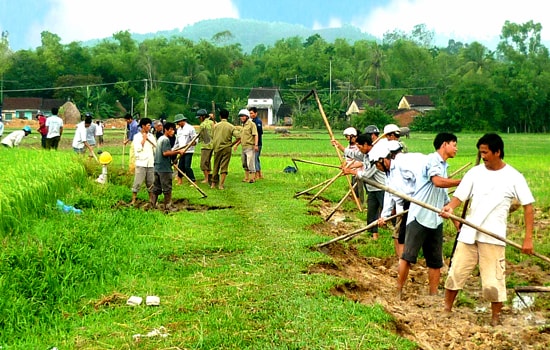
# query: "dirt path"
{"type": "Point", "coordinates": [420, 317]}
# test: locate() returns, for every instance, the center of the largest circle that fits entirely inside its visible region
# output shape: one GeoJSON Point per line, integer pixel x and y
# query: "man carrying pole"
{"type": "Point", "coordinates": [424, 227]}
{"type": "Point", "coordinates": [491, 187]}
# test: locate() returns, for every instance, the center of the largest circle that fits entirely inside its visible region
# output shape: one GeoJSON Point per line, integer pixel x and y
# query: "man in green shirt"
{"type": "Point", "coordinates": [205, 138]}
{"type": "Point", "coordinates": [249, 145]}
{"type": "Point", "coordinates": [223, 134]}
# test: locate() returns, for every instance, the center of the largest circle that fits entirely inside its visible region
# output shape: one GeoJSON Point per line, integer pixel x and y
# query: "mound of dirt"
{"type": "Point", "coordinates": [419, 316]}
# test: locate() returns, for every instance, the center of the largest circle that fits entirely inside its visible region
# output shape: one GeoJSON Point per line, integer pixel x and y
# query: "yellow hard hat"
{"type": "Point", "coordinates": [105, 158]}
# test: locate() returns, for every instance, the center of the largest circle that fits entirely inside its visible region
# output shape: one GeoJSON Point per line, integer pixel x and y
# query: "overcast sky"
{"type": "Point", "coordinates": [80, 20]}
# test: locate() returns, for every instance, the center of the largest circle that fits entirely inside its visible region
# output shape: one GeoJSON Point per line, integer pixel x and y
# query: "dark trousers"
{"type": "Point", "coordinates": [185, 165]}
{"type": "Point", "coordinates": [375, 203]}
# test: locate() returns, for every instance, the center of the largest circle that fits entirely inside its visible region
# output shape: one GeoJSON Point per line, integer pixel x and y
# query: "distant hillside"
{"type": "Point", "coordinates": [250, 33]}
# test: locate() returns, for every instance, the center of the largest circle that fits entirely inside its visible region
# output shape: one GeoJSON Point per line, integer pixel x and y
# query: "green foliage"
{"type": "Point", "coordinates": [371, 116]}
{"type": "Point", "coordinates": [27, 191]}
{"type": "Point", "coordinates": [475, 89]}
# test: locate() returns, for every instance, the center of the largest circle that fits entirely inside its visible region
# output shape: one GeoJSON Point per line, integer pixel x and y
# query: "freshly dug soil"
{"type": "Point", "coordinates": [420, 317]}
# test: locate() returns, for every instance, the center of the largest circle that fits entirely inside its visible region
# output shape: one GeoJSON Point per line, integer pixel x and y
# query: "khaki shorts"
{"type": "Point", "coordinates": [492, 268]}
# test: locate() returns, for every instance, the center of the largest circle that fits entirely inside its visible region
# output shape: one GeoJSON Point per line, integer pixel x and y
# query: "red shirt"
{"type": "Point", "coordinates": [42, 125]}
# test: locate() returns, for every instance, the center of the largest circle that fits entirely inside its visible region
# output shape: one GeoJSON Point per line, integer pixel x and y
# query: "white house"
{"type": "Point", "coordinates": [267, 101]}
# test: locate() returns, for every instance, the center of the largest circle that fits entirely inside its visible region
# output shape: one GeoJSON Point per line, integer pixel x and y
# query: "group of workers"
{"type": "Point", "coordinates": [87, 133]}
{"type": "Point", "coordinates": [163, 152]}
{"type": "Point", "coordinates": [416, 183]}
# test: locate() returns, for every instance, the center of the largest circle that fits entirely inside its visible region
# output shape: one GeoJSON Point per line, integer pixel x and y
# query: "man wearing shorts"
{"type": "Point", "coordinates": [491, 186]}
{"type": "Point", "coordinates": [425, 227]}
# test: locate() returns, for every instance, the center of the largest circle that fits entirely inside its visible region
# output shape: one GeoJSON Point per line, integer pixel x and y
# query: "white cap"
{"type": "Point", "coordinates": [394, 146]}
{"type": "Point", "coordinates": [388, 129]}
{"type": "Point", "coordinates": [379, 150]}
{"type": "Point", "coordinates": [244, 111]}
{"type": "Point", "coordinates": [350, 132]}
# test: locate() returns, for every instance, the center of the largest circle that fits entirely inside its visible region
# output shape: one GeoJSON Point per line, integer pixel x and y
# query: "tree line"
{"type": "Point", "coordinates": [473, 88]}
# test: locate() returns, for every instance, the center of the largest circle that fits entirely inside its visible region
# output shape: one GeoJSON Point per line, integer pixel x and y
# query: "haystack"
{"type": "Point", "coordinates": [69, 113]}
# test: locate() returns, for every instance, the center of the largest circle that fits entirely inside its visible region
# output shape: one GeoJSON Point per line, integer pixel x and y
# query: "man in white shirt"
{"type": "Point", "coordinates": [15, 138]}
{"type": "Point", "coordinates": [185, 133]}
{"type": "Point", "coordinates": [491, 186]}
{"type": "Point", "coordinates": [80, 141]}
{"type": "Point", "coordinates": [145, 144]}
{"type": "Point", "coordinates": [54, 125]}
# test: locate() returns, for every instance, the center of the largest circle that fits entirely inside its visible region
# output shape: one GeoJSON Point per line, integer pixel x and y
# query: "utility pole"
{"type": "Point", "coordinates": [330, 81]}
{"type": "Point", "coordinates": [145, 99]}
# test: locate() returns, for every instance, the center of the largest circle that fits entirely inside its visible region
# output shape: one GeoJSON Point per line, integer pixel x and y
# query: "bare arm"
{"type": "Point", "coordinates": [443, 182]}
{"type": "Point", "coordinates": [529, 217]}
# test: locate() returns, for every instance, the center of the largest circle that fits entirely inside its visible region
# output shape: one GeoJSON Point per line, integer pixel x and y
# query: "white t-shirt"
{"type": "Point", "coordinates": [491, 193]}
{"type": "Point", "coordinates": [145, 155]}
{"type": "Point", "coordinates": [99, 129]}
{"type": "Point", "coordinates": [184, 135]}
{"type": "Point", "coordinates": [54, 124]}
{"type": "Point", "coordinates": [79, 136]}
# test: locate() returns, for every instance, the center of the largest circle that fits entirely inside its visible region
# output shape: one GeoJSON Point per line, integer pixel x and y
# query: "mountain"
{"type": "Point", "coordinates": [250, 33]}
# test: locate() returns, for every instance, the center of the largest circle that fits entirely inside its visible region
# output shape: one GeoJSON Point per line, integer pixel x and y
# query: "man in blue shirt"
{"type": "Point", "coordinates": [425, 227]}
{"type": "Point", "coordinates": [259, 127]}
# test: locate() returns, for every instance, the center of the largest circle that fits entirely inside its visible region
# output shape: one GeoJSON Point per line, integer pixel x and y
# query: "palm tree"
{"type": "Point", "coordinates": [193, 73]}
{"type": "Point", "coordinates": [375, 71]}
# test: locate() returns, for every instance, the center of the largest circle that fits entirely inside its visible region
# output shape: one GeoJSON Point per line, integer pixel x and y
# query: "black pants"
{"type": "Point", "coordinates": [185, 165]}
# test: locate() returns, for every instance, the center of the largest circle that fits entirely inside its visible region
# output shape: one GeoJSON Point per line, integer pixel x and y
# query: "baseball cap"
{"type": "Point", "coordinates": [372, 129]}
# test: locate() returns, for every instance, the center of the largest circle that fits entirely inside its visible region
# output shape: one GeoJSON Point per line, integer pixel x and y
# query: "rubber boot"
{"type": "Point", "coordinates": [168, 202]}
{"type": "Point", "coordinates": [152, 200]}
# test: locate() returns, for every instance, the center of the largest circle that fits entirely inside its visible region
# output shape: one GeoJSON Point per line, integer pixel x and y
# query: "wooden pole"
{"type": "Point", "coordinates": [191, 181]}
{"type": "Point", "coordinates": [298, 194]}
{"type": "Point", "coordinates": [315, 163]}
{"type": "Point", "coordinates": [341, 202]}
{"type": "Point", "coordinates": [326, 186]}
{"type": "Point", "coordinates": [331, 134]}
{"type": "Point", "coordinates": [358, 231]}
{"type": "Point", "coordinates": [465, 207]}
{"type": "Point", "coordinates": [451, 216]}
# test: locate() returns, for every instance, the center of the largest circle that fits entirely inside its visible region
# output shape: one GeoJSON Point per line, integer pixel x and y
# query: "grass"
{"type": "Point", "coordinates": [231, 278]}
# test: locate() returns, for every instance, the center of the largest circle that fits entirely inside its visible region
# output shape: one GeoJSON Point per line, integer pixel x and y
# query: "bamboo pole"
{"type": "Point", "coordinates": [315, 163]}
{"type": "Point", "coordinates": [191, 181]}
{"type": "Point", "coordinates": [311, 188]}
{"type": "Point", "coordinates": [330, 182]}
{"type": "Point", "coordinates": [451, 216]}
{"type": "Point", "coordinates": [531, 289]}
{"type": "Point", "coordinates": [331, 134]}
{"type": "Point", "coordinates": [454, 173]}
{"type": "Point", "coordinates": [358, 231]}
{"type": "Point", "coordinates": [341, 202]}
